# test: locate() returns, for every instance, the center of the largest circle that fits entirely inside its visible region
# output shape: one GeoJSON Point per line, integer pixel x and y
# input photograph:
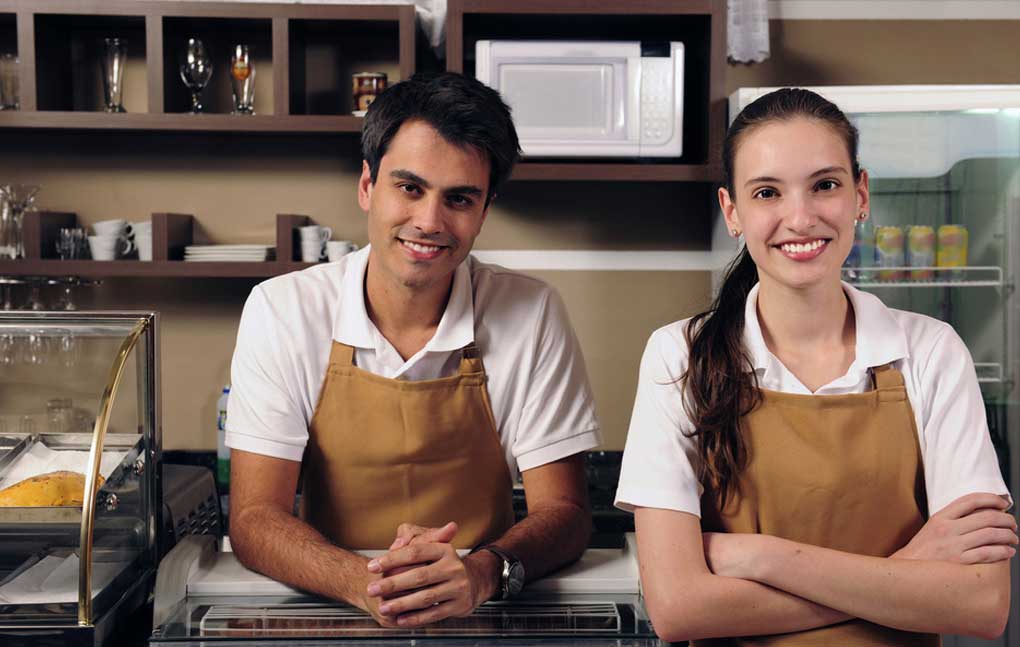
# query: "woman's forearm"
{"type": "Point", "coordinates": [913, 595]}
{"type": "Point", "coordinates": [710, 606]}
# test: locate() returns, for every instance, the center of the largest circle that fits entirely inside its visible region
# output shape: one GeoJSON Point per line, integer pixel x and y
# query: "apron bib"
{"type": "Point", "coordinates": [382, 452]}
{"type": "Point", "coordinates": [839, 471]}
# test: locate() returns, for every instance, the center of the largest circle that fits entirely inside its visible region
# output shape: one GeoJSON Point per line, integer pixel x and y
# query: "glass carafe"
{"type": "Point", "coordinates": [15, 201]}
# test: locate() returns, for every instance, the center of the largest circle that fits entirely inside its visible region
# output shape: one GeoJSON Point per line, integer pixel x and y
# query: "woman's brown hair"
{"type": "Point", "coordinates": [720, 386]}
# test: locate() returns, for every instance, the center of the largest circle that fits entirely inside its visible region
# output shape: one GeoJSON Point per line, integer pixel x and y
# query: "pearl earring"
{"type": "Point", "coordinates": [863, 216]}
{"type": "Point", "coordinates": [734, 232]}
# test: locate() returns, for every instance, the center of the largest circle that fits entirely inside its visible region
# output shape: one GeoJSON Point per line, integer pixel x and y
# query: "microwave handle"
{"type": "Point", "coordinates": [632, 95]}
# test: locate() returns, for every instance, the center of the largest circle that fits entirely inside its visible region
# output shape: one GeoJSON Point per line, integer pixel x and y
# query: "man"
{"type": "Point", "coordinates": [407, 383]}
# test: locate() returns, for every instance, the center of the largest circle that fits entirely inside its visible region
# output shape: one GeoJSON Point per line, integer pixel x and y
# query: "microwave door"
{"type": "Point", "coordinates": [572, 107]}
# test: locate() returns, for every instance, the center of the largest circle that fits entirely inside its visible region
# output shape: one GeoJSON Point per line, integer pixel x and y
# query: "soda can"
{"type": "Point", "coordinates": [889, 252]}
{"type": "Point", "coordinates": [921, 251]}
{"type": "Point", "coordinates": [952, 248]}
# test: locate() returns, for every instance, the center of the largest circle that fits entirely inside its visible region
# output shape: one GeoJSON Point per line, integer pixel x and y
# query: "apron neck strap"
{"type": "Point", "coordinates": [471, 360]}
{"type": "Point", "coordinates": [885, 377]}
{"type": "Point", "coordinates": [341, 354]}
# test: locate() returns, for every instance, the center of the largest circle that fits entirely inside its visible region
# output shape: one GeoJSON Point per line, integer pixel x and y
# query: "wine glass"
{"type": "Point", "coordinates": [196, 70]}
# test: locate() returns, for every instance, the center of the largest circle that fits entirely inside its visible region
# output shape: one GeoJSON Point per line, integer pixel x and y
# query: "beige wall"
{"type": "Point", "coordinates": [235, 185]}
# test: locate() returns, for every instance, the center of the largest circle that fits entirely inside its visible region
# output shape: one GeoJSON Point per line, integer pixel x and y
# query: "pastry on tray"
{"type": "Point", "coordinates": [51, 489]}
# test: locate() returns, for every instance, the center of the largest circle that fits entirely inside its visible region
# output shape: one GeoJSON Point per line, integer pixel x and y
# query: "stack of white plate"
{"type": "Point", "coordinates": [227, 253]}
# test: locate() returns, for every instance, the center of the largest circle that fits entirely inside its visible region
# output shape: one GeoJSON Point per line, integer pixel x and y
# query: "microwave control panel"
{"type": "Point", "coordinates": [656, 100]}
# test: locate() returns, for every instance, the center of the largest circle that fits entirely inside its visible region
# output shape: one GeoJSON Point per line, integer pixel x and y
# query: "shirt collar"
{"type": "Point", "coordinates": [353, 327]}
{"type": "Point", "coordinates": [880, 339]}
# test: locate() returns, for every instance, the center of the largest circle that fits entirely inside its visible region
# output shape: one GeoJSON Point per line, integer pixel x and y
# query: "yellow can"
{"type": "Point", "coordinates": [952, 248]}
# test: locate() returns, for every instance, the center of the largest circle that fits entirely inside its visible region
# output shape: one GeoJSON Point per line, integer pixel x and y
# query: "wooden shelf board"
{"type": "Point", "coordinates": [127, 268]}
{"type": "Point", "coordinates": [617, 171]}
{"type": "Point", "coordinates": [587, 7]}
{"type": "Point", "coordinates": [180, 122]}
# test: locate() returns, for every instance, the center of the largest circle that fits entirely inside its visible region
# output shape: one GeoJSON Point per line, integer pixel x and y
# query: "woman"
{"type": "Point", "coordinates": [811, 429]}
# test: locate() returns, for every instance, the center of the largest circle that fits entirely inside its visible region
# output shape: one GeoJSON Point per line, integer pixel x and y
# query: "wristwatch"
{"type": "Point", "coordinates": [511, 579]}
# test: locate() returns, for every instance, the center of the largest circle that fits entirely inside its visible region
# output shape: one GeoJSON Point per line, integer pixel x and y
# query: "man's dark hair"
{"type": "Point", "coordinates": [464, 111]}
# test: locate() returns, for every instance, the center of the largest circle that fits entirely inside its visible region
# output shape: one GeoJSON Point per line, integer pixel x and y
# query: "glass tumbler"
{"type": "Point", "coordinates": [10, 82]}
{"type": "Point", "coordinates": [242, 81]}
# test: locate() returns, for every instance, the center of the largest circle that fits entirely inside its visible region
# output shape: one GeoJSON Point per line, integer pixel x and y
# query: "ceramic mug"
{"type": "Point", "coordinates": [144, 244]}
{"type": "Point", "coordinates": [337, 249]}
{"type": "Point", "coordinates": [114, 228]}
{"type": "Point", "coordinates": [315, 233]}
{"type": "Point", "coordinates": [107, 248]}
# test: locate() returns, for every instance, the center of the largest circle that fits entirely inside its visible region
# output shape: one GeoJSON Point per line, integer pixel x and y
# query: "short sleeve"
{"type": "Point", "coordinates": [264, 414]}
{"type": "Point", "coordinates": [960, 458]}
{"type": "Point", "coordinates": [558, 417]}
{"type": "Point", "coordinates": [658, 459]}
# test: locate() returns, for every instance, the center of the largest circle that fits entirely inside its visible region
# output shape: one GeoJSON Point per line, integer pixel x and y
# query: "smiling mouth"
{"type": "Point", "coordinates": [804, 248]}
{"type": "Point", "coordinates": [421, 248]}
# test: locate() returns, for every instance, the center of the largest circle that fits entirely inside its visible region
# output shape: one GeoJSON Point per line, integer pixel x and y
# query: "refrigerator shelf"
{"type": "Point", "coordinates": [943, 277]}
{"type": "Point", "coordinates": [989, 372]}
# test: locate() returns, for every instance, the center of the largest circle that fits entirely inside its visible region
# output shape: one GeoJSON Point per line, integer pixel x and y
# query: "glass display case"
{"type": "Point", "coordinates": [79, 485]}
{"type": "Point", "coordinates": [944, 237]}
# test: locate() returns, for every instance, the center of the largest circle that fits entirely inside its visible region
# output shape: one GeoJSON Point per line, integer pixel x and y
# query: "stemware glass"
{"type": "Point", "coordinates": [113, 73]}
{"type": "Point", "coordinates": [15, 201]}
{"type": "Point", "coordinates": [196, 70]}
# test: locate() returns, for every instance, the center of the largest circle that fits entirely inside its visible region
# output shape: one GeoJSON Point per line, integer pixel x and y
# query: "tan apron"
{"type": "Point", "coordinates": [382, 452]}
{"type": "Point", "coordinates": [840, 471]}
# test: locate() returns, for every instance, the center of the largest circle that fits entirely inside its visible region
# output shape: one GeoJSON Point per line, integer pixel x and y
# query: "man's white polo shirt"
{"type": "Point", "coordinates": [538, 386]}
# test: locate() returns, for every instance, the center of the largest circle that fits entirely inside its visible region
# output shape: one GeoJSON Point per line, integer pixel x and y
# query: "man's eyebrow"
{"type": "Point", "coordinates": [467, 189]}
{"type": "Point", "coordinates": [403, 174]}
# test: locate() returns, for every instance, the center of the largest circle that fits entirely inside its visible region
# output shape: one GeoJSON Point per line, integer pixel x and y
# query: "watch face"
{"type": "Point", "coordinates": [515, 581]}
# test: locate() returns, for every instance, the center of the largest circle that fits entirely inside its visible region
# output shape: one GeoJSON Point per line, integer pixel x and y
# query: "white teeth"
{"type": "Point", "coordinates": [424, 249]}
{"type": "Point", "coordinates": [798, 248]}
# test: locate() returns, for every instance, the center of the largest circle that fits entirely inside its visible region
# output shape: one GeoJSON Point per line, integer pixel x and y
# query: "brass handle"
{"type": "Point", "coordinates": [88, 511]}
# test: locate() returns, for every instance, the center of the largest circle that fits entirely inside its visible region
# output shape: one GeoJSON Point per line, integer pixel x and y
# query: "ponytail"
{"type": "Point", "coordinates": [720, 385]}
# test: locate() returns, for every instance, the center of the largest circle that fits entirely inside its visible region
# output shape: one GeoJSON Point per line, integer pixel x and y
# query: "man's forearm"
{"type": "Point", "coordinates": [275, 543]}
{"type": "Point", "coordinates": [548, 538]}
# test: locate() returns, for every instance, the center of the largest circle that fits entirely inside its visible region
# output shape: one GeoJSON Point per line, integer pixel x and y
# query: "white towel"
{"type": "Point", "coordinates": [747, 31]}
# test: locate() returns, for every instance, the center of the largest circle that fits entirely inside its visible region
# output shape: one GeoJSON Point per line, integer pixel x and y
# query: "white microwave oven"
{"type": "Point", "coordinates": [589, 99]}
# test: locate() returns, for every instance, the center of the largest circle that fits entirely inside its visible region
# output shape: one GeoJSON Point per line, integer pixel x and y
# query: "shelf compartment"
{"type": "Point", "coordinates": [324, 54]}
{"type": "Point", "coordinates": [40, 230]}
{"type": "Point", "coordinates": [171, 233]}
{"type": "Point", "coordinates": [8, 33]}
{"type": "Point", "coordinates": [142, 269]}
{"type": "Point", "coordinates": [68, 55]}
{"type": "Point", "coordinates": [219, 35]}
{"type": "Point", "coordinates": [180, 122]}
{"type": "Point", "coordinates": [699, 25]}
{"type": "Point", "coordinates": [616, 172]}
{"type": "Point", "coordinates": [944, 277]}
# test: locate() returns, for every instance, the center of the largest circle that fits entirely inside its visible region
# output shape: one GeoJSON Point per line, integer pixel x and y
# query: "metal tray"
{"type": "Point", "coordinates": [71, 515]}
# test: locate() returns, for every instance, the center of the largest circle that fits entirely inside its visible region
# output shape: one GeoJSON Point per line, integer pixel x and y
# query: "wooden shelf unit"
{"type": "Point", "coordinates": [699, 24]}
{"type": "Point", "coordinates": [56, 41]}
{"type": "Point", "coordinates": [171, 233]}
